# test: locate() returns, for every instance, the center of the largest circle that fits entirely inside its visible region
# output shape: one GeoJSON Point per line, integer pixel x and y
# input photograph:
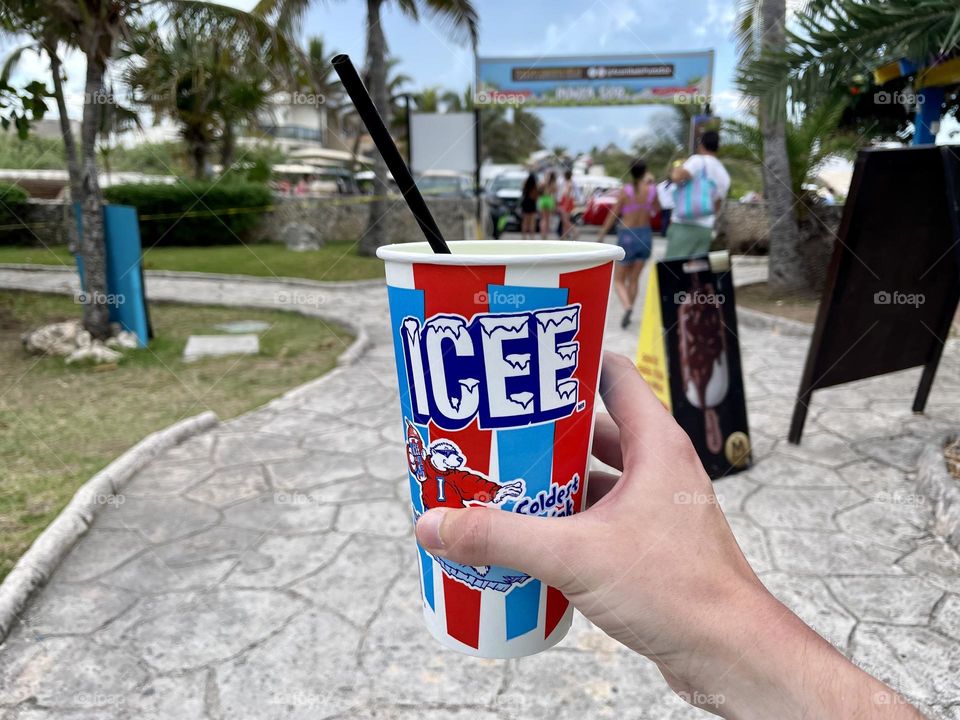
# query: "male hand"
{"type": "Point", "coordinates": [653, 563]}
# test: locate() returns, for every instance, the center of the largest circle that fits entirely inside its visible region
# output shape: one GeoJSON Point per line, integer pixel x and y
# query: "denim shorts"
{"type": "Point", "coordinates": [637, 243]}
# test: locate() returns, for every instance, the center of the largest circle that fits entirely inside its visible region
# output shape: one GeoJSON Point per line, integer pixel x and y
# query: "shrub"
{"type": "Point", "coordinates": [13, 207]}
{"type": "Point", "coordinates": [194, 213]}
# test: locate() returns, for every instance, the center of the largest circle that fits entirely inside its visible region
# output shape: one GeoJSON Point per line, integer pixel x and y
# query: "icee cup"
{"type": "Point", "coordinates": [498, 348]}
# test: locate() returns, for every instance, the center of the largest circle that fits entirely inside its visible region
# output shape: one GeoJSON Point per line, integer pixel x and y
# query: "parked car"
{"type": "Point", "coordinates": [502, 196]}
{"type": "Point", "coordinates": [599, 205]}
{"type": "Point", "coordinates": [445, 183]}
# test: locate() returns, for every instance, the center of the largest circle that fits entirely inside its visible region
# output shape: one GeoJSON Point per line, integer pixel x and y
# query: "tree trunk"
{"type": "Point", "coordinates": [228, 146]}
{"type": "Point", "coordinates": [96, 317]}
{"type": "Point", "coordinates": [786, 261]}
{"type": "Point", "coordinates": [198, 155]}
{"type": "Point", "coordinates": [375, 235]}
{"type": "Point", "coordinates": [69, 145]}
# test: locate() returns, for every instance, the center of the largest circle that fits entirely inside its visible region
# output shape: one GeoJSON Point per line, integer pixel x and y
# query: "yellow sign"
{"type": "Point", "coordinates": [651, 353]}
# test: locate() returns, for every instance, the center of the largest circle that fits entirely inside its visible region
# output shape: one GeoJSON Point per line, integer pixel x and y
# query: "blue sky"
{"type": "Point", "coordinates": [430, 56]}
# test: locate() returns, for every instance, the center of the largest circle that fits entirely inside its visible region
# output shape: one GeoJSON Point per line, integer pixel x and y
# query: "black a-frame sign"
{"type": "Point", "coordinates": [893, 285]}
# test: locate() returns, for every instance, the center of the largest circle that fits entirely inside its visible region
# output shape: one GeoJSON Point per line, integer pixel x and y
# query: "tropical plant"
{"type": "Point", "coordinates": [830, 42]}
{"type": "Point", "coordinates": [810, 142]}
{"type": "Point", "coordinates": [459, 15]}
{"type": "Point", "coordinates": [206, 80]}
{"type": "Point", "coordinates": [94, 27]}
{"type": "Point", "coordinates": [352, 126]}
{"type": "Point", "coordinates": [322, 83]}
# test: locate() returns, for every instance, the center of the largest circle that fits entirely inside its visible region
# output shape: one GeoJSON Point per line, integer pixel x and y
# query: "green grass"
{"type": "Point", "coordinates": [59, 425]}
{"type": "Point", "coordinates": [335, 261]}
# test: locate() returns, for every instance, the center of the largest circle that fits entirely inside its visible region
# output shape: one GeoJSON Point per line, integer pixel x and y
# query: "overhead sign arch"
{"type": "Point", "coordinates": [662, 78]}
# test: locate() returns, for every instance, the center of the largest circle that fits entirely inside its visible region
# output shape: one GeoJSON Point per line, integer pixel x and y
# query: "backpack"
{"type": "Point", "coordinates": [694, 199]}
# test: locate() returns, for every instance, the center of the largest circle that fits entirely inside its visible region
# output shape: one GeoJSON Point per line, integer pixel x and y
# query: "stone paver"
{"type": "Point", "coordinates": [266, 568]}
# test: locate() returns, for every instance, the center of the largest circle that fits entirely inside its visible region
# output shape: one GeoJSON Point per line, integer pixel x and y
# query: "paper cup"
{"type": "Point", "coordinates": [498, 351]}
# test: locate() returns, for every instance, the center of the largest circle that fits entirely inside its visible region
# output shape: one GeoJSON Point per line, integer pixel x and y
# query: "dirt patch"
{"type": "Point", "coordinates": [952, 455]}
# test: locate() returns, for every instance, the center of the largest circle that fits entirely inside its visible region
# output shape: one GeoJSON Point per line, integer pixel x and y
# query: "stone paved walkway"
{"type": "Point", "coordinates": [265, 569]}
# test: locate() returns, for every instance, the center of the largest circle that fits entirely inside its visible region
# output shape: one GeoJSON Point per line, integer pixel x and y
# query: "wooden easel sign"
{"type": "Point", "coordinates": [689, 354]}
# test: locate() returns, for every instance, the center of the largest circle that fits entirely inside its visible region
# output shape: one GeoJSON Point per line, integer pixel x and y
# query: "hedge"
{"type": "Point", "coordinates": [13, 208]}
{"type": "Point", "coordinates": [194, 213]}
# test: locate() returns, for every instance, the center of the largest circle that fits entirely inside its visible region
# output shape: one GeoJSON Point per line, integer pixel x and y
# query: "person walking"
{"type": "Point", "coordinates": [547, 202]}
{"type": "Point", "coordinates": [702, 185]}
{"type": "Point", "coordinates": [528, 207]}
{"type": "Point", "coordinates": [665, 190]}
{"type": "Point", "coordinates": [635, 205]}
{"type": "Point", "coordinates": [566, 205]}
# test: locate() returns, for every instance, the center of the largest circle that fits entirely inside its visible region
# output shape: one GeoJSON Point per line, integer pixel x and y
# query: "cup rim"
{"type": "Point", "coordinates": [550, 252]}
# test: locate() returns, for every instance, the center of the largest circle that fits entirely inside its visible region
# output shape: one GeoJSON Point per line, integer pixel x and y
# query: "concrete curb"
{"type": "Point", "coordinates": [36, 565]}
{"type": "Point", "coordinates": [774, 323]}
{"type": "Point", "coordinates": [190, 275]}
{"type": "Point", "coordinates": [936, 484]}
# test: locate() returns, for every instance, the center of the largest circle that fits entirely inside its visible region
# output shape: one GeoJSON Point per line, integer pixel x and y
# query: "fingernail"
{"type": "Point", "coordinates": [428, 528]}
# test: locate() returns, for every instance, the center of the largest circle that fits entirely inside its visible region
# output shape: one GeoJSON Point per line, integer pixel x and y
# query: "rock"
{"type": "Point", "coordinates": [123, 339]}
{"type": "Point", "coordinates": [69, 340]}
{"type": "Point", "coordinates": [95, 351]}
{"type": "Point", "coordinates": [55, 339]}
{"type": "Point", "coordinates": [300, 237]}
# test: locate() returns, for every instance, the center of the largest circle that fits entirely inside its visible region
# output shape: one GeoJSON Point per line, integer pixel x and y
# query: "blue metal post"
{"type": "Point", "coordinates": [927, 119]}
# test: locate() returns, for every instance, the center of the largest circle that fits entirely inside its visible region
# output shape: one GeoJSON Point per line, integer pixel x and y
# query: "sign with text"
{"type": "Point", "coordinates": [671, 78]}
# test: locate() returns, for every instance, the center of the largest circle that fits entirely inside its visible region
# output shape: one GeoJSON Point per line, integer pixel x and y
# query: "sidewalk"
{"type": "Point", "coordinates": [241, 579]}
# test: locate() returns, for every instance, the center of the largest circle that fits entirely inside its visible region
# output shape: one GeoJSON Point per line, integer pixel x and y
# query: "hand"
{"type": "Point", "coordinates": [510, 489]}
{"type": "Point", "coordinates": [654, 564]}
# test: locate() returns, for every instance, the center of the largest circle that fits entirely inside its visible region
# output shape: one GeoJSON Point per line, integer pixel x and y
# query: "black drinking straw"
{"type": "Point", "coordinates": [388, 149]}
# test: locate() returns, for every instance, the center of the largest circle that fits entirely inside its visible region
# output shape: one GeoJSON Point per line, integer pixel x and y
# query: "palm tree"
{"type": "Point", "coordinates": [459, 15]}
{"type": "Point", "coordinates": [94, 27]}
{"type": "Point", "coordinates": [760, 31]}
{"type": "Point", "coordinates": [208, 86]}
{"type": "Point", "coordinates": [353, 127]}
{"type": "Point", "coordinates": [832, 41]}
{"type": "Point", "coordinates": [322, 81]}
{"type": "Point", "coordinates": [428, 99]}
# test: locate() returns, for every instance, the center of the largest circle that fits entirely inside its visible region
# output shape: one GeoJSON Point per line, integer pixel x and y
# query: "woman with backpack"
{"type": "Point", "coordinates": [702, 183]}
{"type": "Point", "coordinates": [635, 205]}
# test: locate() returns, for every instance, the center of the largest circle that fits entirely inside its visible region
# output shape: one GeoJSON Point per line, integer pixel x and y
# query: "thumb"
{"type": "Point", "coordinates": [538, 546]}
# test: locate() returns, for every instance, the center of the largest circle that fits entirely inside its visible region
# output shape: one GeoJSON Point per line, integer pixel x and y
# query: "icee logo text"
{"type": "Point", "coordinates": [510, 369]}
